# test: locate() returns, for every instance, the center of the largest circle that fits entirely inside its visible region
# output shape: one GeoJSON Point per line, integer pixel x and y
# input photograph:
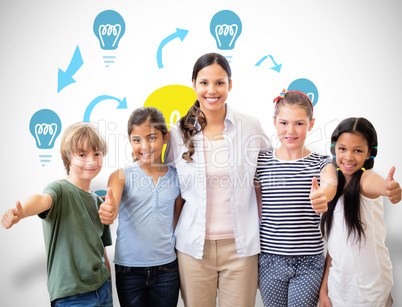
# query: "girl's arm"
{"type": "Point", "coordinates": [329, 181]}
{"type": "Point", "coordinates": [33, 205]}
{"type": "Point", "coordinates": [258, 193]}
{"type": "Point", "coordinates": [373, 185]}
{"type": "Point", "coordinates": [178, 206]}
{"type": "Point", "coordinates": [321, 195]}
{"type": "Point", "coordinates": [324, 298]}
{"type": "Point", "coordinates": [110, 208]}
{"type": "Point", "coordinates": [107, 262]}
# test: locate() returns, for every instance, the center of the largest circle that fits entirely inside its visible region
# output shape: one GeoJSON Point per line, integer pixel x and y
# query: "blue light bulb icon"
{"type": "Point", "coordinates": [225, 28]}
{"type": "Point", "coordinates": [109, 27]}
{"type": "Point", "coordinates": [45, 127]}
{"type": "Point", "coordinates": [306, 86]}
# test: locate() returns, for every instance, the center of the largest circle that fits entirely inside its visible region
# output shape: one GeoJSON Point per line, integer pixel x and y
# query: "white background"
{"type": "Point", "coordinates": [351, 50]}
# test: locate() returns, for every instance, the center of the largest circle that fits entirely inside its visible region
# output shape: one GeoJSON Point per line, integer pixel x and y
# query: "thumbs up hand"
{"type": "Point", "coordinates": [12, 216]}
{"type": "Point", "coordinates": [318, 199]}
{"type": "Point", "coordinates": [392, 188]}
{"type": "Point", "coordinates": [107, 211]}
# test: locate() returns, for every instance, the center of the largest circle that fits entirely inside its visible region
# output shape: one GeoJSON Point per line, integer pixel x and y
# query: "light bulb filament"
{"type": "Point", "coordinates": [44, 129]}
{"type": "Point", "coordinates": [109, 30]}
{"type": "Point", "coordinates": [311, 96]}
{"type": "Point", "coordinates": [224, 30]}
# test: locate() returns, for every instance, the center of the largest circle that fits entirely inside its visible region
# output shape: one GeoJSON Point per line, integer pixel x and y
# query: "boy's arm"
{"type": "Point", "coordinates": [33, 205]}
{"type": "Point", "coordinates": [321, 194]}
{"type": "Point", "coordinates": [109, 209]}
{"type": "Point", "coordinates": [324, 298]}
{"type": "Point", "coordinates": [373, 185]}
{"type": "Point", "coordinates": [178, 206]}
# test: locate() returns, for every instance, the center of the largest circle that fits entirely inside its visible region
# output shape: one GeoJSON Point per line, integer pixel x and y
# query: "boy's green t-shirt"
{"type": "Point", "coordinates": [75, 239]}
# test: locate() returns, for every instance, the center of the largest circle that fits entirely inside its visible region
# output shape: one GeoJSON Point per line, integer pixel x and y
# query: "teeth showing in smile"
{"type": "Point", "coordinates": [348, 165]}
{"type": "Point", "coordinates": [146, 155]}
{"type": "Point", "coordinates": [211, 99]}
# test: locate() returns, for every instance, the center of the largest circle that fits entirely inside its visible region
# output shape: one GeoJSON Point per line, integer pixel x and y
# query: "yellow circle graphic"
{"type": "Point", "coordinates": [173, 101]}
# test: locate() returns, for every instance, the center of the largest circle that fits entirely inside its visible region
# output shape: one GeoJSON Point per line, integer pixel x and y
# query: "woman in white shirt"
{"type": "Point", "coordinates": [215, 151]}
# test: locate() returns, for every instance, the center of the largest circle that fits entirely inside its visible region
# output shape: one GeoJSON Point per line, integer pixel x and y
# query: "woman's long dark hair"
{"type": "Point", "coordinates": [187, 122]}
{"type": "Point", "coordinates": [351, 193]}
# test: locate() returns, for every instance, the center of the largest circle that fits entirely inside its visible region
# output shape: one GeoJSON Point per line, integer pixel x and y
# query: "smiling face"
{"type": "Point", "coordinates": [351, 152]}
{"type": "Point", "coordinates": [147, 144]}
{"type": "Point", "coordinates": [84, 167]}
{"type": "Point", "coordinates": [292, 124]}
{"type": "Point", "coordinates": [212, 86]}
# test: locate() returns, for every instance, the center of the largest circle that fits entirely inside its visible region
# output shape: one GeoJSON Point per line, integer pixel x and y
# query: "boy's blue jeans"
{"type": "Point", "coordinates": [98, 298]}
{"type": "Point", "coordinates": [148, 286]}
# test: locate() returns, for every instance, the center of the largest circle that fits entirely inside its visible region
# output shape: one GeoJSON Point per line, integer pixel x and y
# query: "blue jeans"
{"type": "Point", "coordinates": [290, 281]}
{"type": "Point", "coordinates": [98, 298]}
{"type": "Point", "coordinates": [148, 286]}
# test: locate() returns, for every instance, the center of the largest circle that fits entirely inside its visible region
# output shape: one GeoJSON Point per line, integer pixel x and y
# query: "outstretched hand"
{"type": "Point", "coordinates": [12, 216]}
{"type": "Point", "coordinates": [107, 211]}
{"type": "Point", "coordinates": [318, 199]}
{"type": "Point", "coordinates": [392, 188]}
{"type": "Point", "coordinates": [325, 301]}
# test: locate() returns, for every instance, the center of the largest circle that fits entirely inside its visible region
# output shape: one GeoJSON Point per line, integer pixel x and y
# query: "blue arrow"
{"type": "Point", "coordinates": [277, 67]}
{"type": "Point", "coordinates": [179, 33]}
{"type": "Point", "coordinates": [91, 106]}
{"type": "Point", "coordinates": [66, 78]}
{"type": "Point", "coordinates": [260, 61]}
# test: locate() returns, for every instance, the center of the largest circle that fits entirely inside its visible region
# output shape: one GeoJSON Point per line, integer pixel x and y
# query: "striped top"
{"type": "Point", "coordinates": [290, 226]}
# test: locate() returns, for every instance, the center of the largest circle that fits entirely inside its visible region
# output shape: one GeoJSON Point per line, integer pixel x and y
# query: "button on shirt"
{"type": "Point", "coordinates": [246, 139]}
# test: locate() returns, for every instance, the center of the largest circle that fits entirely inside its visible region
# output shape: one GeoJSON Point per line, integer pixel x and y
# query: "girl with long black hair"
{"type": "Point", "coordinates": [358, 267]}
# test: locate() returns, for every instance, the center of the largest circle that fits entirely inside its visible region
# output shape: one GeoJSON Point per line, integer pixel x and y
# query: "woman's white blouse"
{"type": "Point", "coordinates": [246, 139]}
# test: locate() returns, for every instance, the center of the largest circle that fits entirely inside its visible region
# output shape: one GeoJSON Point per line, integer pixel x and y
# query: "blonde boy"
{"type": "Point", "coordinates": [77, 265]}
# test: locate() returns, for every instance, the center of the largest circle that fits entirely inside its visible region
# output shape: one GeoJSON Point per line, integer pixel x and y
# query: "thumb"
{"type": "Point", "coordinates": [109, 196]}
{"type": "Point", "coordinates": [314, 184]}
{"type": "Point", "coordinates": [391, 173]}
{"type": "Point", "coordinates": [18, 208]}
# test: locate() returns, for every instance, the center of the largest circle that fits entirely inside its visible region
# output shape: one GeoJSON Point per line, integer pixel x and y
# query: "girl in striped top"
{"type": "Point", "coordinates": [293, 186]}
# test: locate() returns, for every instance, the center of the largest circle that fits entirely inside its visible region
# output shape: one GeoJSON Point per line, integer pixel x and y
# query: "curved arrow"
{"type": "Point", "coordinates": [66, 78]}
{"type": "Point", "coordinates": [91, 106]}
{"type": "Point", "coordinates": [277, 67]}
{"type": "Point", "coordinates": [262, 60]}
{"type": "Point", "coordinates": [180, 33]}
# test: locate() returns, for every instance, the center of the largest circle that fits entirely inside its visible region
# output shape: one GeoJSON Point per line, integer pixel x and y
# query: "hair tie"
{"type": "Point", "coordinates": [332, 145]}
{"type": "Point", "coordinates": [338, 169]}
{"type": "Point", "coordinates": [375, 147]}
{"type": "Point", "coordinates": [281, 96]}
{"type": "Point", "coordinates": [284, 92]}
{"type": "Point", "coordinates": [334, 156]}
{"type": "Point", "coordinates": [363, 169]}
{"type": "Point", "coordinates": [372, 157]}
